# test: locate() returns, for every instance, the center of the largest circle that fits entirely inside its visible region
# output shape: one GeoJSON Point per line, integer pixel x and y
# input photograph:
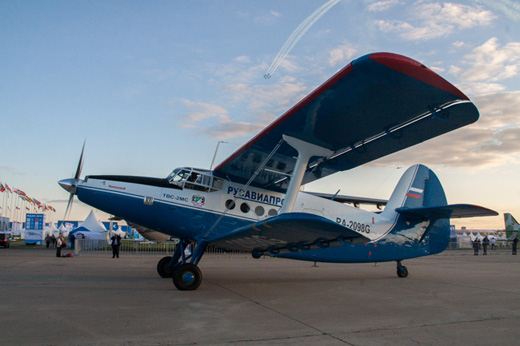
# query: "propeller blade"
{"type": "Point", "coordinates": [69, 206]}
{"type": "Point", "coordinates": [80, 163]}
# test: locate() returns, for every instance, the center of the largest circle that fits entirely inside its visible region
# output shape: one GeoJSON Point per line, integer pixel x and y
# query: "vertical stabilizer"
{"type": "Point", "coordinates": [512, 226]}
{"type": "Point", "coordinates": [418, 187]}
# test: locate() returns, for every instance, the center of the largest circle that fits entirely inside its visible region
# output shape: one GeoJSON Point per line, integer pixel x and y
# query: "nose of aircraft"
{"type": "Point", "coordinates": [68, 185]}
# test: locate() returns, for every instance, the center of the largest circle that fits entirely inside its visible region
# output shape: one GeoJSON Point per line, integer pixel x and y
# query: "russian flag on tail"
{"type": "Point", "coordinates": [414, 192]}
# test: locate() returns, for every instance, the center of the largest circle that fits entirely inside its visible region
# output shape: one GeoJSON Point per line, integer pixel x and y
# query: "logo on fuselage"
{"type": "Point", "coordinates": [255, 196]}
{"type": "Point", "coordinates": [198, 201]}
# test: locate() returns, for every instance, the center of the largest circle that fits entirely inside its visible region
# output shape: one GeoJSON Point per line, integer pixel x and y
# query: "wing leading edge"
{"type": "Point", "coordinates": [378, 104]}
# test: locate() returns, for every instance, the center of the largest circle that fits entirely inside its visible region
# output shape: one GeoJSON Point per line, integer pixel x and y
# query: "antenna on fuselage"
{"type": "Point", "coordinates": [215, 154]}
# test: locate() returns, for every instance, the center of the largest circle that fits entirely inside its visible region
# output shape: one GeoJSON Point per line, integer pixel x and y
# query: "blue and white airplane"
{"type": "Point", "coordinates": [377, 105]}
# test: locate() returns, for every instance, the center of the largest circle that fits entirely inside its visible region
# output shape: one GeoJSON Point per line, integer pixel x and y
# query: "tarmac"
{"type": "Point", "coordinates": [449, 299]}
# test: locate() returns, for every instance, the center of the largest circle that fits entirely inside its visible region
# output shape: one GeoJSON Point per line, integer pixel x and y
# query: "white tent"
{"type": "Point", "coordinates": [65, 229]}
{"type": "Point", "coordinates": [90, 228]}
{"type": "Point", "coordinates": [50, 230]}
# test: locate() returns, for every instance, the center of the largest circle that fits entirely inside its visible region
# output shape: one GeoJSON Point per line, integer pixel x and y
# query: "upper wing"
{"type": "Point", "coordinates": [285, 231]}
{"type": "Point", "coordinates": [378, 104]}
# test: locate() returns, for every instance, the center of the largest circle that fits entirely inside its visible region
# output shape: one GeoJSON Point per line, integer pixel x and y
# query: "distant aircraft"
{"type": "Point", "coordinates": [377, 105]}
{"type": "Point", "coordinates": [512, 226]}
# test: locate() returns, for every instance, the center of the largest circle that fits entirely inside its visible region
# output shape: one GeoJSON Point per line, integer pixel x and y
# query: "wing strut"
{"type": "Point", "coordinates": [305, 152]}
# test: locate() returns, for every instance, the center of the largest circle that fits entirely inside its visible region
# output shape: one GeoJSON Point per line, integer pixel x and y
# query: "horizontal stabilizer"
{"type": "Point", "coordinates": [349, 199]}
{"type": "Point", "coordinates": [283, 230]}
{"type": "Point", "coordinates": [452, 211]}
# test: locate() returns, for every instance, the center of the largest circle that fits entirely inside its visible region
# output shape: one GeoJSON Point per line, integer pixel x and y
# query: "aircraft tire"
{"type": "Point", "coordinates": [257, 253]}
{"type": "Point", "coordinates": [402, 271]}
{"type": "Point", "coordinates": [163, 268]}
{"type": "Point", "coordinates": [187, 277]}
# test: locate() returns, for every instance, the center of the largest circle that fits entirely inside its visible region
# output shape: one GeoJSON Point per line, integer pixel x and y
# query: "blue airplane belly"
{"type": "Point", "coordinates": [397, 245]}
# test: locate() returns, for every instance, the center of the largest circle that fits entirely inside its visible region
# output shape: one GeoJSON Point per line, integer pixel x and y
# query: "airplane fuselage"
{"type": "Point", "coordinates": [191, 213]}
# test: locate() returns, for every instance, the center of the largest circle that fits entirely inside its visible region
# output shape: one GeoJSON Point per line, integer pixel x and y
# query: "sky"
{"type": "Point", "coordinates": [153, 86]}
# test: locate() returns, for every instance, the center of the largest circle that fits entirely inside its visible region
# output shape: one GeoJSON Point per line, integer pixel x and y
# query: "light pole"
{"type": "Point", "coordinates": [215, 154]}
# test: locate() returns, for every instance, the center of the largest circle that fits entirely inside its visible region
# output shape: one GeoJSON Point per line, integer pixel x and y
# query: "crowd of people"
{"type": "Point", "coordinates": [60, 242]}
{"type": "Point", "coordinates": [486, 243]}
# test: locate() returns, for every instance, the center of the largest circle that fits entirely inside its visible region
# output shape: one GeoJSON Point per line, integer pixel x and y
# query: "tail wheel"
{"type": "Point", "coordinates": [187, 277]}
{"type": "Point", "coordinates": [163, 267]}
{"type": "Point", "coordinates": [402, 271]}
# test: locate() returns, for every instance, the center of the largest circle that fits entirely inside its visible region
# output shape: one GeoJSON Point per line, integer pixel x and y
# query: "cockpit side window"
{"type": "Point", "coordinates": [178, 177]}
{"type": "Point", "coordinates": [195, 180]}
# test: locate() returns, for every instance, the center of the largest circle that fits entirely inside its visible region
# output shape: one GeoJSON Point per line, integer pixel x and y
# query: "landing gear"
{"type": "Point", "coordinates": [257, 253]}
{"type": "Point", "coordinates": [187, 277]}
{"type": "Point", "coordinates": [182, 266]}
{"type": "Point", "coordinates": [163, 267]}
{"type": "Point", "coordinates": [402, 271]}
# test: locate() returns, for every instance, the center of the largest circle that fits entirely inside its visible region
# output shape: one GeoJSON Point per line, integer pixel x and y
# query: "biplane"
{"type": "Point", "coordinates": [378, 104]}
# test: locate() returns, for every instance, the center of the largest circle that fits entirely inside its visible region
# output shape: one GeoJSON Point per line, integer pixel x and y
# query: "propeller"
{"type": "Point", "coordinates": [70, 184]}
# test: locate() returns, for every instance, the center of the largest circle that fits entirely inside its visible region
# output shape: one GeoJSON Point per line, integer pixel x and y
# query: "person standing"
{"type": "Point", "coordinates": [47, 241]}
{"type": "Point", "coordinates": [485, 243]}
{"type": "Point", "coordinates": [115, 241]}
{"type": "Point", "coordinates": [476, 246]}
{"type": "Point", "coordinates": [515, 244]}
{"type": "Point", "coordinates": [60, 243]}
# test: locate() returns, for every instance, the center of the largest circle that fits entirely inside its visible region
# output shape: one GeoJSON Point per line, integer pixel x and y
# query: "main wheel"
{"type": "Point", "coordinates": [257, 253]}
{"type": "Point", "coordinates": [163, 267]}
{"type": "Point", "coordinates": [402, 271]}
{"type": "Point", "coordinates": [187, 277]}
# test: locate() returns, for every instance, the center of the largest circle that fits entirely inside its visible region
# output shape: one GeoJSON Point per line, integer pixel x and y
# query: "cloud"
{"type": "Point", "coordinates": [458, 44]}
{"type": "Point", "coordinates": [509, 8]}
{"type": "Point", "coordinates": [233, 129]}
{"type": "Point", "coordinates": [493, 140]}
{"type": "Point", "coordinates": [433, 20]}
{"type": "Point", "coordinates": [341, 54]}
{"type": "Point", "coordinates": [383, 5]}
{"type": "Point", "coordinates": [199, 111]}
{"type": "Point", "coordinates": [251, 101]}
{"type": "Point", "coordinates": [491, 62]}
{"type": "Point", "coordinates": [267, 18]}
{"type": "Point", "coordinates": [214, 120]}
{"type": "Point", "coordinates": [487, 65]}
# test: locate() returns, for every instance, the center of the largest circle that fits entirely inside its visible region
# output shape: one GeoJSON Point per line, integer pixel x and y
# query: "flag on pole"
{"type": "Point", "coordinates": [8, 188]}
{"type": "Point", "coordinates": [19, 192]}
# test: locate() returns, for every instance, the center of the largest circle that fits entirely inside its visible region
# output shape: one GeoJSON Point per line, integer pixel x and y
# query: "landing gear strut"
{"type": "Point", "coordinates": [402, 271]}
{"type": "Point", "coordinates": [182, 266]}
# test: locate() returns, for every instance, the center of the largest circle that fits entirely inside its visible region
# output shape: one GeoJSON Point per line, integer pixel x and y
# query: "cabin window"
{"type": "Point", "coordinates": [259, 210]}
{"type": "Point", "coordinates": [230, 204]}
{"type": "Point", "coordinates": [272, 212]}
{"type": "Point", "coordinates": [244, 207]}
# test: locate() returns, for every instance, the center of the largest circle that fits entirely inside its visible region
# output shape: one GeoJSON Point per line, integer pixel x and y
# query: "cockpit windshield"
{"type": "Point", "coordinates": [195, 179]}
